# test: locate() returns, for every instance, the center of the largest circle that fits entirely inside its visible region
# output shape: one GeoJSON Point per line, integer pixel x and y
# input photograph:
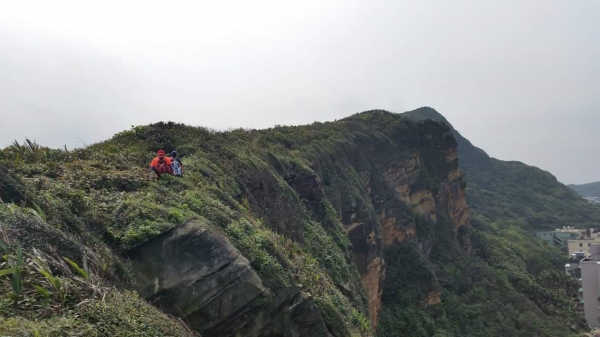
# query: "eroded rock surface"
{"type": "Point", "coordinates": [407, 177]}
{"type": "Point", "coordinates": [194, 272]}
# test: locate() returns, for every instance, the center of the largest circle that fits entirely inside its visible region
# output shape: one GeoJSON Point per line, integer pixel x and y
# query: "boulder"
{"type": "Point", "coordinates": [194, 272]}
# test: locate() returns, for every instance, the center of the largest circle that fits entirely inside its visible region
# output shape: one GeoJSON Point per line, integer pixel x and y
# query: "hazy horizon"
{"type": "Point", "coordinates": [519, 80]}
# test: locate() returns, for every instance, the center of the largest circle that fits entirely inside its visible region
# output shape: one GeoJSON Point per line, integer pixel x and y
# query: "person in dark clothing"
{"type": "Point", "coordinates": [176, 165]}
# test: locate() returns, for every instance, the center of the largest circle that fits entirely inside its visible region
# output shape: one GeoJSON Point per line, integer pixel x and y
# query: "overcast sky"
{"type": "Point", "coordinates": [520, 79]}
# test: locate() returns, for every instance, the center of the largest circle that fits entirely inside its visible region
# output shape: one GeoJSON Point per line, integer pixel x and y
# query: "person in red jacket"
{"type": "Point", "coordinates": [161, 164]}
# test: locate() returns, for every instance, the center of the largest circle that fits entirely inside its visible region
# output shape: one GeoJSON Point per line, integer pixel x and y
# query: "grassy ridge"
{"type": "Point", "coordinates": [255, 186]}
{"type": "Point", "coordinates": [103, 196]}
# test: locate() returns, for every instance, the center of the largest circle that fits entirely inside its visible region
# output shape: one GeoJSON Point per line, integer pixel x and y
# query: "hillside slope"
{"type": "Point", "coordinates": [587, 190]}
{"type": "Point", "coordinates": [509, 190]}
{"type": "Point", "coordinates": [352, 228]}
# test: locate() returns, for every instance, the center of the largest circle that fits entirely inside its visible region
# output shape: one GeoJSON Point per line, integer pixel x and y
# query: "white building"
{"type": "Point", "coordinates": [590, 276]}
{"type": "Point", "coordinates": [573, 267]}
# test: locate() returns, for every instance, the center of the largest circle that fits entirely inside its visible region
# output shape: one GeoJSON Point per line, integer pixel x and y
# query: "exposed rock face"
{"type": "Point", "coordinates": [292, 313]}
{"type": "Point", "coordinates": [308, 188]}
{"type": "Point", "coordinates": [449, 199]}
{"type": "Point", "coordinates": [454, 189]}
{"type": "Point", "coordinates": [402, 174]}
{"type": "Point", "coordinates": [423, 203]}
{"type": "Point", "coordinates": [373, 282]}
{"type": "Point", "coordinates": [364, 245]}
{"type": "Point", "coordinates": [369, 261]}
{"type": "Point", "coordinates": [457, 198]}
{"type": "Point", "coordinates": [194, 272]}
{"type": "Point", "coordinates": [433, 298]}
{"type": "Point", "coordinates": [394, 230]}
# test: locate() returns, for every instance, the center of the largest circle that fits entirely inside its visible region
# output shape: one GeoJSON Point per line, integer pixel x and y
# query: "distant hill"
{"type": "Point", "coordinates": [508, 190]}
{"type": "Point", "coordinates": [591, 190]}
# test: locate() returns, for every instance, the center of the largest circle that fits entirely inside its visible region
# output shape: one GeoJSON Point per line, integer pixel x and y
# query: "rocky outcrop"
{"type": "Point", "coordinates": [394, 230]}
{"type": "Point", "coordinates": [292, 313]}
{"type": "Point", "coordinates": [194, 272]}
{"type": "Point", "coordinates": [423, 203]}
{"type": "Point", "coordinates": [454, 190]}
{"type": "Point", "coordinates": [402, 176]}
{"type": "Point", "coordinates": [390, 181]}
{"type": "Point", "coordinates": [457, 198]}
{"type": "Point", "coordinates": [308, 188]}
{"type": "Point", "coordinates": [373, 280]}
{"type": "Point", "coordinates": [433, 298]}
{"type": "Point", "coordinates": [369, 261]}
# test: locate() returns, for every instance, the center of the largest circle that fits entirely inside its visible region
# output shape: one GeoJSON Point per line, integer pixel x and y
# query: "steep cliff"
{"type": "Point", "coordinates": [351, 228]}
{"type": "Point", "coordinates": [511, 280]}
{"type": "Point", "coordinates": [504, 190]}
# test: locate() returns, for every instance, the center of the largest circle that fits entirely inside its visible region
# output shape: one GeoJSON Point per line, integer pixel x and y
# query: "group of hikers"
{"type": "Point", "coordinates": [167, 165]}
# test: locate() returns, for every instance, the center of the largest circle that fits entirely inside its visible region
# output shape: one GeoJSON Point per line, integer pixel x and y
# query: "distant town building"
{"type": "Point", "coordinates": [561, 236]}
{"type": "Point", "coordinates": [590, 275]}
{"type": "Point", "coordinates": [546, 236]}
{"type": "Point", "coordinates": [573, 267]}
{"type": "Point", "coordinates": [583, 244]}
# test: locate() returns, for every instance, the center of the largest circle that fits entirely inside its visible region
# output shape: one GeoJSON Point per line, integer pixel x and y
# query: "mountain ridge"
{"type": "Point", "coordinates": [587, 190]}
{"type": "Point", "coordinates": [492, 180]}
{"type": "Point", "coordinates": [359, 227]}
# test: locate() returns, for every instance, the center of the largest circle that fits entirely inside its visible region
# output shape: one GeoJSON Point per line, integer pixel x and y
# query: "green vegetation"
{"type": "Point", "coordinates": [508, 190]}
{"type": "Point", "coordinates": [49, 295]}
{"type": "Point", "coordinates": [283, 197]}
{"type": "Point", "coordinates": [587, 190]}
{"type": "Point", "coordinates": [118, 314]}
{"type": "Point", "coordinates": [511, 190]}
{"type": "Point", "coordinates": [103, 196]}
{"type": "Point", "coordinates": [511, 284]}
{"type": "Point", "coordinates": [508, 286]}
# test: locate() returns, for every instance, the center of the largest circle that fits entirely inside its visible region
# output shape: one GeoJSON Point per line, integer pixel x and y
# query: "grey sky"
{"type": "Point", "coordinates": [519, 79]}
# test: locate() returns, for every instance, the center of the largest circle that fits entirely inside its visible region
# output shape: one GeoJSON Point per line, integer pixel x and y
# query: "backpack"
{"type": "Point", "coordinates": [177, 167]}
{"type": "Point", "coordinates": [162, 166]}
